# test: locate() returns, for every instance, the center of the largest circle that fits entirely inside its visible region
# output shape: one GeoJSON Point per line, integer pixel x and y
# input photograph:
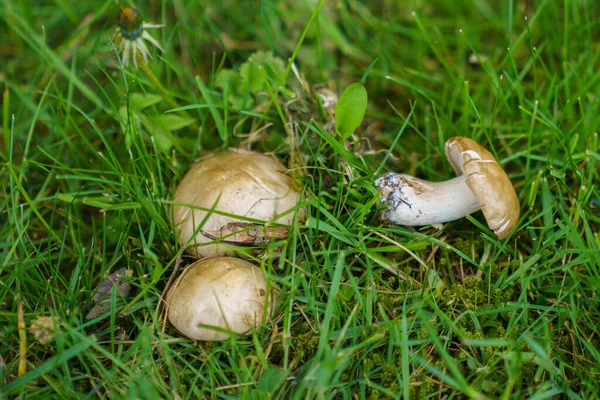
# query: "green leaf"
{"type": "Point", "coordinates": [163, 139]}
{"type": "Point", "coordinates": [350, 109]}
{"type": "Point", "coordinates": [228, 78]}
{"type": "Point", "coordinates": [271, 380]}
{"type": "Point", "coordinates": [139, 101]}
{"type": "Point", "coordinates": [164, 142]}
{"type": "Point", "coordinates": [160, 127]}
{"type": "Point", "coordinates": [435, 281]}
{"type": "Point", "coordinates": [251, 77]}
{"type": "Point", "coordinates": [172, 122]}
{"type": "Point", "coordinates": [230, 82]}
{"type": "Point", "coordinates": [251, 74]}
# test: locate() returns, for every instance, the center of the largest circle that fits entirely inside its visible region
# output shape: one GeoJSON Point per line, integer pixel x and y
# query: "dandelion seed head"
{"type": "Point", "coordinates": [130, 22]}
{"type": "Point", "coordinates": [130, 35]}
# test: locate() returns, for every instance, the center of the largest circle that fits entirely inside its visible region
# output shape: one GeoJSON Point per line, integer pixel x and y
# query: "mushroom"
{"type": "Point", "coordinates": [481, 184]}
{"type": "Point", "coordinates": [223, 292]}
{"type": "Point", "coordinates": [242, 183]}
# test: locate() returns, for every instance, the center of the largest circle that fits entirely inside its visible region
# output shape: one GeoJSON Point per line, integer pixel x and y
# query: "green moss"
{"type": "Point", "coordinates": [206, 346]}
{"type": "Point", "coordinates": [528, 371]}
{"type": "Point", "coordinates": [490, 386]}
{"type": "Point", "coordinates": [471, 247]}
{"type": "Point", "coordinates": [304, 343]}
{"type": "Point", "coordinates": [276, 355]}
{"type": "Point", "coordinates": [388, 374]}
{"type": "Point", "coordinates": [500, 266]}
{"type": "Point", "coordinates": [374, 360]}
{"type": "Point", "coordinates": [381, 371]}
{"type": "Point", "coordinates": [505, 295]}
{"type": "Point", "coordinates": [422, 332]}
{"type": "Point", "coordinates": [422, 387]}
{"type": "Point", "coordinates": [390, 301]}
{"type": "Point", "coordinates": [345, 377]}
{"type": "Point", "coordinates": [394, 387]}
{"type": "Point", "coordinates": [472, 293]}
{"type": "Point", "coordinates": [561, 339]}
{"type": "Point", "coordinates": [500, 330]}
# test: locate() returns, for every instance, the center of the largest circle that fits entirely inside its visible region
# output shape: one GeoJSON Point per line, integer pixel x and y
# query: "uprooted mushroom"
{"type": "Point", "coordinates": [481, 184]}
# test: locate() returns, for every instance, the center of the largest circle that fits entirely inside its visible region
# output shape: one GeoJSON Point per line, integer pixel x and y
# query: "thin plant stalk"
{"type": "Point", "coordinates": [154, 80]}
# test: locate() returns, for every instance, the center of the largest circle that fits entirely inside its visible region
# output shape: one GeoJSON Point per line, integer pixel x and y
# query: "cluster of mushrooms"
{"type": "Point", "coordinates": [223, 204]}
{"type": "Point", "coordinates": [242, 199]}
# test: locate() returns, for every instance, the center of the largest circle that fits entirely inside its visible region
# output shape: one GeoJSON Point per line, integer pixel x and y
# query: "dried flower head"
{"type": "Point", "coordinates": [131, 33]}
{"type": "Point", "coordinates": [43, 329]}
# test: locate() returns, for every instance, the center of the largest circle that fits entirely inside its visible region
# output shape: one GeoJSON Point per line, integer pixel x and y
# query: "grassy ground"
{"type": "Point", "coordinates": [89, 158]}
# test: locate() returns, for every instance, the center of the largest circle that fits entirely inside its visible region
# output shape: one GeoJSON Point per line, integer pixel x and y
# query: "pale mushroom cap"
{"type": "Point", "coordinates": [488, 182]}
{"type": "Point", "coordinates": [247, 184]}
{"type": "Point", "coordinates": [224, 292]}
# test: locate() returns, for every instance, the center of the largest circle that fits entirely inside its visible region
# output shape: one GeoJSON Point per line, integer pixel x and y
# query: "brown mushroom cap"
{"type": "Point", "coordinates": [224, 292]}
{"type": "Point", "coordinates": [242, 183]}
{"type": "Point", "coordinates": [488, 182]}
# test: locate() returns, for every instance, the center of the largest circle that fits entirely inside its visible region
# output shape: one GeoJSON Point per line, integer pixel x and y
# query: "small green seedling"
{"type": "Point", "coordinates": [243, 85]}
{"type": "Point", "coordinates": [159, 126]}
{"type": "Point", "coordinates": [350, 110]}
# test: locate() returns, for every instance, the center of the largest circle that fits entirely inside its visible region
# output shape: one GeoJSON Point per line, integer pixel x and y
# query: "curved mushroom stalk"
{"type": "Point", "coordinates": [414, 202]}
{"type": "Point", "coordinates": [481, 184]}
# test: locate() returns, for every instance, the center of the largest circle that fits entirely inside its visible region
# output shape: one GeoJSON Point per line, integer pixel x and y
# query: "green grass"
{"type": "Point", "coordinates": [87, 171]}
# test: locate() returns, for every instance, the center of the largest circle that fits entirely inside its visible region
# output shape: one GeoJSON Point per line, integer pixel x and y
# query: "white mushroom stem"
{"type": "Point", "coordinates": [414, 202]}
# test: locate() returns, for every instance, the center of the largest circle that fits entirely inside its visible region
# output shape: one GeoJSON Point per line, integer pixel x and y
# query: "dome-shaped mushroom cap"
{"type": "Point", "coordinates": [225, 292]}
{"type": "Point", "coordinates": [246, 184]}
{"type": "Point", "coordinates": [488, 182]}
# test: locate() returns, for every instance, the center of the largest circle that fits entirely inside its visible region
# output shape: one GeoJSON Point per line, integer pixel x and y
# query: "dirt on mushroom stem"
{"type": "Point", "coordinates": [481, 184]}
